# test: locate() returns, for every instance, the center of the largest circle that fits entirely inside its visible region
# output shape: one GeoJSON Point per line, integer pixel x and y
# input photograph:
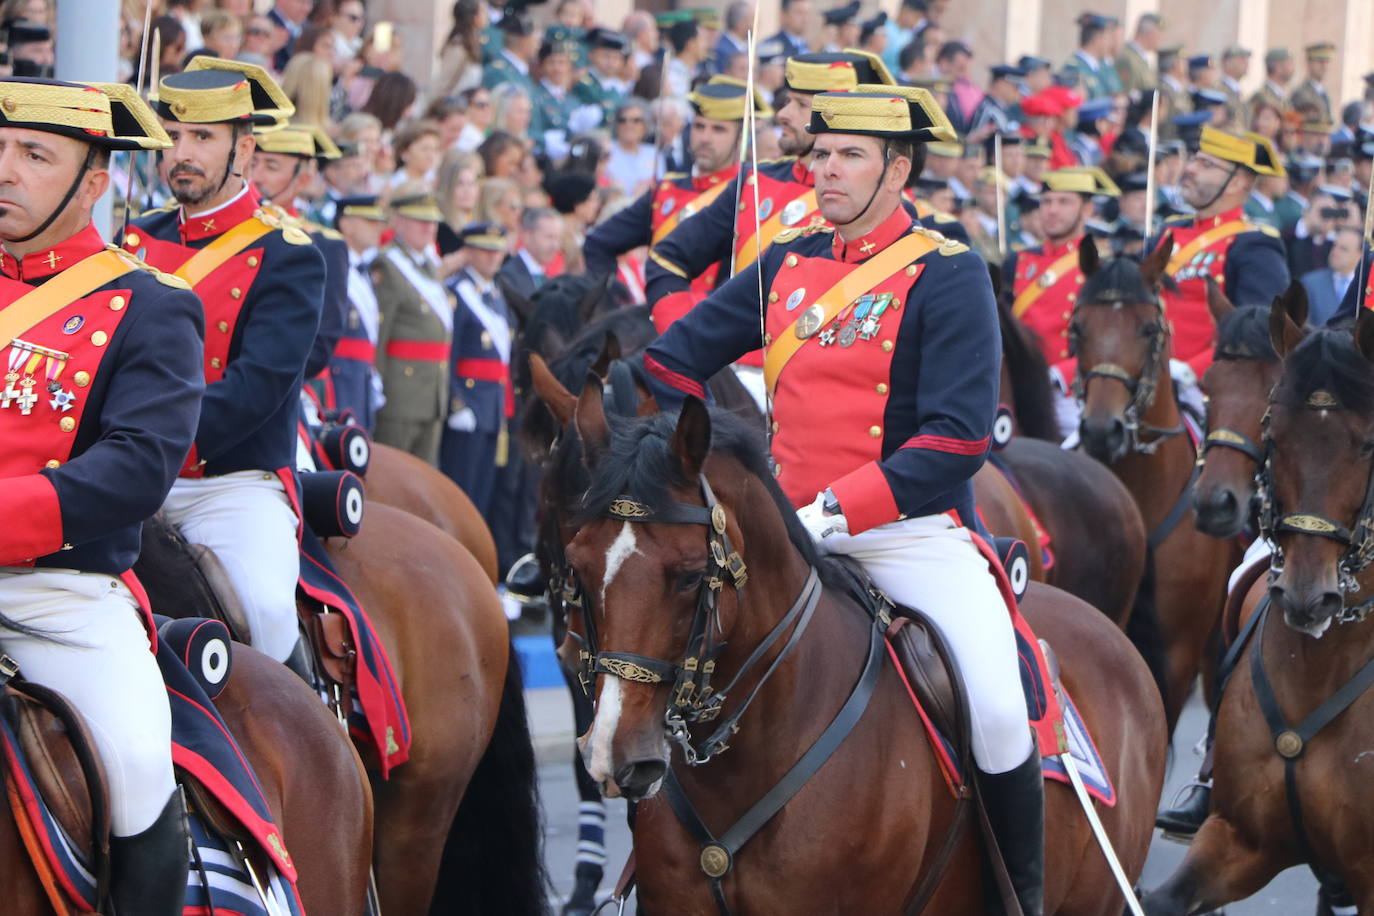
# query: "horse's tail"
{"type": "Point", "coordinates": [1145, 631]}
{"type": "Point", "coordinates": [493, 860]}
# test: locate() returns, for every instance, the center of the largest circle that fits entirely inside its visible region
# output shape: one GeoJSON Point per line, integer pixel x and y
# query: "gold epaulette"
{"type": "Point", "coordinates": [1265, 228]}
{"type": "Point", "coordinates": [796, 232]}
{"type": "Point", "coordinates": [673, 176]}
{"type": "Point", "coordinates": [942, 217]}
{"type": "Point", "coordinates": [165, 208]}
{"type": "Point", "coordinates": [138, 263]}
{"type": "Point", "coordinates": [1179, 218]}
{"type": "Point", "coordinates": [274, 216]}
{"type": "Point", "coordinates": [948, 246]}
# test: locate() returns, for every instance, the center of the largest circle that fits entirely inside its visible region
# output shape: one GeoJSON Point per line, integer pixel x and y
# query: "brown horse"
{"type": "Point", "coordinates": [830, 847]}
{"type": "Point", "coordinates": [1237, 384]}
{"type": "Point", "coordinates": [399, 479]}
{"type": "Point", "coordinates": [324, 809]}
{"type": "Point", "coordinates": [441, 622]}
{"type": "Point", "coordinates": [1293, 724]}
{"type": "Point", "coordinates": [1094, 527]}
{"type": "Point", "coordinates": [1132, 422]}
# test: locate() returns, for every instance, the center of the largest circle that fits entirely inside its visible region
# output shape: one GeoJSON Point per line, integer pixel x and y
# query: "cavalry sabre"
{"type": "Point", "coordinates": [1001, 194]}
{"type": "Point", "coordinates": [1100, 834]}
{"type": "Point", "coordinates": [1368, 228]}
{"type": "Point", "coordinates": [142, 84]}
{"type": "Point", "coordinates": [1150, 165]}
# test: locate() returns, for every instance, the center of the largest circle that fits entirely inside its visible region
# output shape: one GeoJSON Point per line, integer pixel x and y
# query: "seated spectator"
{"type": "Point", "coordinates": [1326, 286]}
{"type": "Point", "coordinates": [477, 106]}
{"type": "Point", "coordinates": [417, 150]}
{"type": "Point", "coordinates": [513, 111]}
{"type": "Point", "coordinates": [501, 154]}
{"type": "Point", "coordinates": [634, 162]}
{"type": "Point", "coordinates": [221, 34]}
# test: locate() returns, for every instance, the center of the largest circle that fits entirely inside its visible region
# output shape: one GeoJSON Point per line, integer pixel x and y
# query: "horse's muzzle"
{"type": "Point", "coordinates": [1103, 439]}
{"type": "Point", "coordinates": [640, 779]}
{"type": "Point", "coordinates": [1219, 512]}
{"type": "Point", "coordinates": [1311, 612]}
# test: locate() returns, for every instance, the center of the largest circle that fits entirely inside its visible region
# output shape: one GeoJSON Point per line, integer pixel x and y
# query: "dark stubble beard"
{"type": "Point", "coordinates": [186, 196]}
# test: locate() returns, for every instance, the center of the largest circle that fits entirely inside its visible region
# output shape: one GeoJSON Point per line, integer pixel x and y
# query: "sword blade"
{"type": "Point", "coordinates": [1100, 834]}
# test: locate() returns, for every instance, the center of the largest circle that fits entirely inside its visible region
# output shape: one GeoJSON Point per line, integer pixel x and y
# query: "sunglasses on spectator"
{"type": "Point", "coordinates": [257, 31]}
{"type": "Point", "coordinates": [480, 103]}
{"type": "Point", "coordinates": [629, 120]}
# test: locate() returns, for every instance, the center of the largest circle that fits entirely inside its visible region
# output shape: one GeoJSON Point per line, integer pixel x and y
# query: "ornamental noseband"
{"type": "Point", "coordinates": [1358, 542]}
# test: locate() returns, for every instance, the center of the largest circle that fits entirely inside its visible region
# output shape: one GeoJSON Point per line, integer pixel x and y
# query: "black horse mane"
{"type": "Point", "coordinates": [1244, 334]}
{"type": "Point", "coordinates": [1327, 361]}
{"type": "Point", "coordinates": [1116, 280]}
{"type": "Point", "coordinates": [640, 463]}
{"type": "Point", "coordinates": [555, 308]}
{"type": "Point", "coordinates": [1030, 379]}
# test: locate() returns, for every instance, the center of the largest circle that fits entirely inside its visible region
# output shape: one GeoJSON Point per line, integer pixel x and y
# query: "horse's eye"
{"type": "Point", "coordinates": [689, 580]}
{"type": "Point", "coordinates": [1149, 329]}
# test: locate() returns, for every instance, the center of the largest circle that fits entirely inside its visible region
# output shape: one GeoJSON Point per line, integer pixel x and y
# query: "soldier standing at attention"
{"type": "Point", "coordinates": [353, 367]}
{"type": "Point", "coordinates": [262, 285]}
{"type": "Point", "coordinates": [512, 65]}
{"type": "Point", "coordinates": [1311, 96]}
{"type": "Point", "coordinates": [416, 328]}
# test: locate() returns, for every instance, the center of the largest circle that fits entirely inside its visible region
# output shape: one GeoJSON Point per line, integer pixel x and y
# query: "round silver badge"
{"type": "Point", "coordinates": [765, 208]}
{"type": "Point", "coordinates": [667, 206]}
{"type": "Point", "coordinates": [796, 298]}
{"type": "Point", "coordinates": [793, 213]}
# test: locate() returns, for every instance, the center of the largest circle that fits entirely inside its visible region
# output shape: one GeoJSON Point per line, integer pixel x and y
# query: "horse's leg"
{"type": "Point", "coordinates": [1222, 865]}
{"type": "Point", "coordinates": [591, 813]}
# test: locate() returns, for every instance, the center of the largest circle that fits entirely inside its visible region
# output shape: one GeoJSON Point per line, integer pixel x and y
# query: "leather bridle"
{"type": "Point", "coordinates": [1141, 388]}
{"type": "Point", "coordinates": [1357, 540]}
{"type": "Point", "coordinates": [692, 698]}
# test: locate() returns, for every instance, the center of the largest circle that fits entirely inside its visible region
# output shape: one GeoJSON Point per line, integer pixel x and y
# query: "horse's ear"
{"type": "Point", "coordinates": [591, 300]}
{"type": "Point", "coordinates": [552, 343]}
{"type": "Point", "coordinates": [521, 306]}
{"type": "Point", "coordinates": [610, 352]}
{"type": "Point", "coordinates": [1364, 333]}
{"type": "Point", "coordinates": [1295, 302]}
{"type": "Point", "coordinates": [590, 417]}
{"type": "Point", "coordinates": [1217, 303]}
{"type": "Point", "coordinates": [560, 401]}
{"type": "Point", "coordinates": [1088, 258]}
{"type": "Point", "coordinates": [1284, 332]}
{"type": "Point", "coordinates": [1152, 267]}
{"type": "Point", "coordinates": [692, 439]}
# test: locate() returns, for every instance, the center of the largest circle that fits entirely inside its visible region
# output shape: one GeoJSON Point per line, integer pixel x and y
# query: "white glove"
{"type": "Point", "coordinates": [463, 421]}
{"type": "Point", "coordinates": [818, 524]}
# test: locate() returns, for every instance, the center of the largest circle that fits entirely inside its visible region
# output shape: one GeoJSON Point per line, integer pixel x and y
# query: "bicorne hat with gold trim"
{"type": "Point", "coordinates": [1251, 150]}
{"type": "Point", "coordinates": [722, 99]}
{"type": "Point", "coordinates": [1081, 179]}
{"type": "Point", "coordinates": [107, 115]}
{"type": "Point", "coordinates": [212, 90]}
{"type": "Point", "coordinates": [307, 141]}
{"type": "Point", "coordinates": [838, 71]}
{"type": "Point", "coordinates": [886, 112]}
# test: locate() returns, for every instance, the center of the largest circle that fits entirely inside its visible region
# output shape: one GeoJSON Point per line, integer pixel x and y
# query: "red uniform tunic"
{"type": "Point", "coordinates": [1045, 284]}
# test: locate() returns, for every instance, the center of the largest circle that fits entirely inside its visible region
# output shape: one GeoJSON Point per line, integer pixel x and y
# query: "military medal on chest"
{"type": "Point", "coordinates": [25, 362]}
{"type": "Point", "coordinates": [1197, 267]}
{"type": "Point", "coordinates": [860, 320]}
{"type": "Point", "coordinates": [793, 212]}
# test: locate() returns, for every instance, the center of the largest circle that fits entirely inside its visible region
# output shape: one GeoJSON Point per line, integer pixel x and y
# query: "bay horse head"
{"type": "Point", "coordinates": [1119, 333]}
{"type": "Point", "coordinates": [1317, 482]}
{"type": "Point", "coordinates": [658, 555]}
{"type": "Point", "coordinates": [1244, 370]}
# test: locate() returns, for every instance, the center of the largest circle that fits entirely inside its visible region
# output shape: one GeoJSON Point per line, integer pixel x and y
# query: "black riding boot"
{"type": "Point", "coordinates": [1192, 805]}
{"type": "Point", "coordinates": [1015, 803]}
{"type": "Point", "coordinates": [148, 871]}
{"type": "Point", "coordinates": [299, 662]}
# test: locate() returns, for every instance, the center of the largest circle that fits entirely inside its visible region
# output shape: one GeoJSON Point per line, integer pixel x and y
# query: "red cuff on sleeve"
{"type": "Point", "coordinates": [193, 466]}
{"type": "Point", "coordinates": [672, 307]}
{"type": "Point", "coordinates": [35, 520]}
{"type": "Point", "coordinates": [865, 498]}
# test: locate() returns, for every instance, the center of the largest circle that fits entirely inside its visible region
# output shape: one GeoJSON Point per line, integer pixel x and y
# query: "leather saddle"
{"type": "Point", "coordinates": [925, 660]}
{"type": "Point", "coordinates": [184, 579]}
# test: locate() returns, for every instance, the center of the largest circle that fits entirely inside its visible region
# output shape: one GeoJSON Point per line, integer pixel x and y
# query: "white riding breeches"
{"type": "Point", "coordinates": [751, 377]}
{"type": "Point", "coordinates": [1260, 550]}
{"type": "Point", "coordinates": [247, 520]}
{"type": "Point", "coordinates": [105, 667]}
{"type": "Point", "coordinates": [931, 564]}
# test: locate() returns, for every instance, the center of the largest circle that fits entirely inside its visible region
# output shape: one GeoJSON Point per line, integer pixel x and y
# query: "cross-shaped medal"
{"type": "Point", "coordinates": [9, 394]}
{"type": "Point", "coordinates": [53, 258]}
{"type": "Point", "coordinates": [207, 226]}
{"type": "Point", "coordinates": [27, 399]}
{"type": "Point", "coordinates": [866, 247]}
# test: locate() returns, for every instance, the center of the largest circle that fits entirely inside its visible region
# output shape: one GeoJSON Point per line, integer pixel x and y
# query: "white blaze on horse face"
{"type": "Point", "coordinates": [621, 549]}
{"type": "Point", "coordinates": [597, 755]}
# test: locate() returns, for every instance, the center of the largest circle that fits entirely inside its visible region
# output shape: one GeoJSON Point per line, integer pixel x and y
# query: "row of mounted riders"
{"type": "Point", "coordinates": [1144, 523]}
{"type": "Point", "coordinates": [455, 829]}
